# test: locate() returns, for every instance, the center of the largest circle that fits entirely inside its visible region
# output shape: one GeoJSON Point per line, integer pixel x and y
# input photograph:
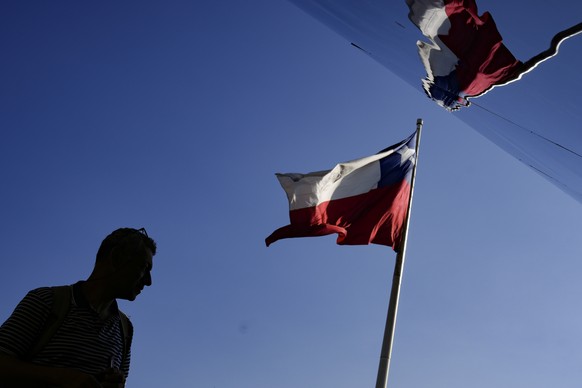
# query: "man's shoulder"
{"type": "Point", "coordinates": [40, 294]}
{"type": "Point", "coordinates": [123, 315]}
{"type": "Point", "coordinates": [47, 293]}
{"type": "Point", "coordinates": [127, 325]}
{"type": "Point", "coordinates": [47, 289]}
{"type": "Point", "coordinates": [40, 290]}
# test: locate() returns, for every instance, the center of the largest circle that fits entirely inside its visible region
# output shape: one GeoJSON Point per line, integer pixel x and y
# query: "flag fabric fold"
{"type": "Point", "coordinates": [466, 56]}
{"type": "Point", "coordinates": [364, 200]}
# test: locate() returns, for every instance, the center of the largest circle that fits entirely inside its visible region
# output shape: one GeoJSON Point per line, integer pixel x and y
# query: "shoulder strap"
{"type": "Point", "coordinates": [59, 310]}
{"type": "Point", "coordinates": [126, 332]}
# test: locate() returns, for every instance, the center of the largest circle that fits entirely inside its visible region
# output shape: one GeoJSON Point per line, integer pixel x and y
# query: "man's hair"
{"type": "Point", "coordinates": [127, 240]}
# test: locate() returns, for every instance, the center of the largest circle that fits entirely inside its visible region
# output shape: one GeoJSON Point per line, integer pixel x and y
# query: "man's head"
{"type": "Point", "coordinates": [126, 257]}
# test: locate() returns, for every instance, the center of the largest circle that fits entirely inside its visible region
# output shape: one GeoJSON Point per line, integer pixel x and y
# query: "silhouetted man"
{"type": "Point", "coordinates": [75, 336]}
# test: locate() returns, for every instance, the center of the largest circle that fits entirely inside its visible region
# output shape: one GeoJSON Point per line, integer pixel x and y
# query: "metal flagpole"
{"type": "Point", "coordinates": [385, 354]}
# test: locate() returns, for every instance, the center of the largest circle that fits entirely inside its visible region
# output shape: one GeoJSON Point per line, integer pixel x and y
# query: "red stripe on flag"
{"type": "Point", "coordinates": [374, 217]}
{"type": "Point", "coordinates": [483, 59]}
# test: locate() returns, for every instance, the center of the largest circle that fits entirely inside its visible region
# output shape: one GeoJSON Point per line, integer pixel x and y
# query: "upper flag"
{"type": "Point", "coordinates": [364, 201]}
{"type": "Point", "coordinates": [466, 56]}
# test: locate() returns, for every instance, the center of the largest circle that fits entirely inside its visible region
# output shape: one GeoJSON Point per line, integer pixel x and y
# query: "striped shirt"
{"type": "Point", "coordinates": [84, 341]}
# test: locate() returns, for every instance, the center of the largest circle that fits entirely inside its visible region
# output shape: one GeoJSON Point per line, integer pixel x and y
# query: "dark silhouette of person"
{"type": "Point", "coordinates": [91, 346]}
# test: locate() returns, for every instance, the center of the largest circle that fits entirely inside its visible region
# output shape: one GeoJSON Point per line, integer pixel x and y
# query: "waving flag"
{"type": "Point", "coordinates": [363, 201]}
{"type": "Point", "coordinates": [466, 56]}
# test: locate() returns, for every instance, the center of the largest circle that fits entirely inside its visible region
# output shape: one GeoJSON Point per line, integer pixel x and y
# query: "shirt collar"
{"type": "Point", "coordinates": [80, 300]}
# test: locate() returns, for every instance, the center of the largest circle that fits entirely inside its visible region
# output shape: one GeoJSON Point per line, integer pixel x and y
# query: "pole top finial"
{"type": "Point", "coordinates": [418, 121]}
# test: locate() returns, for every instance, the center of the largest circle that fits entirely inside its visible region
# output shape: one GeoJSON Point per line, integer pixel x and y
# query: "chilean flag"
{"type": "Point", "coordinates": [466, 56]}
{"type": "Point", "coordinates": [363, 201]}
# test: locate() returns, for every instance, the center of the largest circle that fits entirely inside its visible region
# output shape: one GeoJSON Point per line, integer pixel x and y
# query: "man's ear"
{"type": "Point", "coordinates": [114, 258]}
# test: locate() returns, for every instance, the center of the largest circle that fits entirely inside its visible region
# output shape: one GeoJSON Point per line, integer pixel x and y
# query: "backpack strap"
{"type": "Point", "coordinates": [60, 308]}
{"type": "Point", "coordinates": [126, 333]}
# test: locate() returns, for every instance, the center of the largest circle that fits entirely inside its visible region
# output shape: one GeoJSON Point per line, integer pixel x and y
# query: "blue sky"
{"type": "Point", "coordinates": [175, 117]}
